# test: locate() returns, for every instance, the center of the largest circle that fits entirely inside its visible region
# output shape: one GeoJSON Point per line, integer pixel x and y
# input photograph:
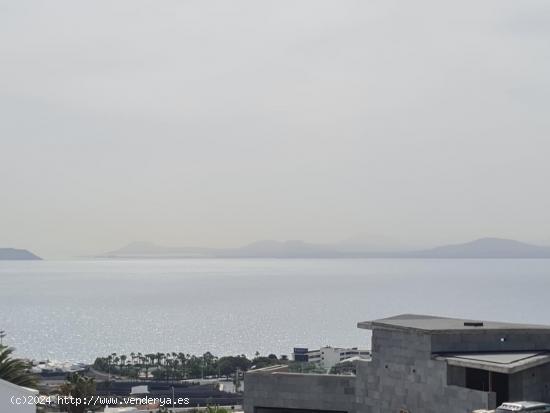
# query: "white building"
{"type": "Point", "coordinates": [327, 356]}
{"type": "Point", "coordinates": [139, 390]}
{"type": "Point", "coordinates": [15, 399]}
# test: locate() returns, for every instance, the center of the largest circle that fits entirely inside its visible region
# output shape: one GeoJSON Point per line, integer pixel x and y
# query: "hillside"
{"type": "Point", "coordinates": [481, 248]}
{"type": "Point", "coordinates": [486, 248]}
{"type": "Point", "coordinates": [17, 254]}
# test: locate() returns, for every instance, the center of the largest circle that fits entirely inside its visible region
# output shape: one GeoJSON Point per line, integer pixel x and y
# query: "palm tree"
{"type": "Point", "coordinates": [149, 359]}
{"type": "Point", "coordinates": [15, 370]}
{"type": "Point", "coordinates": [115, 364]}
{"type": "Point", "coordinates": [79, 387]}
{"type": "Point", "coordinates": [175, 364]}
{"type": "Point", "coordinates": [122, 362]}
{"type": "Point", "coordinates": [160, 357]}
{"type": "Point", "coordinates": [182, 358]}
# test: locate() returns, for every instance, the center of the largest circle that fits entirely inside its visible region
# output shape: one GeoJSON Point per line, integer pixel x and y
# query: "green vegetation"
{"type": "Point", "coordinates": [79, 387]}
{"type": "Point", "coordinates": [180, 366]}
{"type": "Point", "coordinates": [304, 367]}
{"type": "Point", "coordinates": [216, 409]}
{"type": "Point", "coordinates": [207, 409]}
{"type": "Point", "coordinates": [15, 370]}
{"type": "Point", "coordinates": [347, 367]}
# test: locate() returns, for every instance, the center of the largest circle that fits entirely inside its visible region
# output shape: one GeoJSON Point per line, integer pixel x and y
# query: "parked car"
{"type": "Point", "coordinates": [524, 406]}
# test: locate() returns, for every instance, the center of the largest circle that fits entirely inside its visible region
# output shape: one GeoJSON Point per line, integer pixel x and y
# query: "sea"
{"type": "Point", "coordinates": [79, 310]}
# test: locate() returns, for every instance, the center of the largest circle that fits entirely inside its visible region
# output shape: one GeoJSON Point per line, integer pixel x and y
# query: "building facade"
{"type": "Point", "coordinates": [16, 399]}
{"type": "Point", "coordinates": [419, 364]}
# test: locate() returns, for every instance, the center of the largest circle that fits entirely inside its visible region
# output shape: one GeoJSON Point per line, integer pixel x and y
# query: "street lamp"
{"type": "Point", "coordinates": [173, 398]}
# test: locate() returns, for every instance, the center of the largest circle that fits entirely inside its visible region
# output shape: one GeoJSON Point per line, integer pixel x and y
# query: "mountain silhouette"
{"type": "Point", "coordinates": [17, 254]}
{"type": "Point", "coordinates": [480, 248]}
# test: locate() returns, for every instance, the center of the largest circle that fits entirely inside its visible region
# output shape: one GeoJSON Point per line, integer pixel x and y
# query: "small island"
{"type": "Point", "coordinates": [17, 254]}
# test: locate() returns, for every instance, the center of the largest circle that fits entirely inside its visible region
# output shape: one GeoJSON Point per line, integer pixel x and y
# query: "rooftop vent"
{"type": "Point", "coordinates": [473, 323]}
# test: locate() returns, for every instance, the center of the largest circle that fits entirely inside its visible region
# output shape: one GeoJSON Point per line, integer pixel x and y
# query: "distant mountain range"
{"type": "Point", "coordinates": [16, 254]}
{"type": "Point", "coordinates": [486, 248]}
{"type": "Point", "coordinates": [481, 248]}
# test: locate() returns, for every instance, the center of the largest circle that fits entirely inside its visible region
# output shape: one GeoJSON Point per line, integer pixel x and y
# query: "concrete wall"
{"type": "Point", "coordinates": [456, 376]}
{"type": "Point", "coordinates": [403, 375]}
{"type": "Point", "coordinates": [532, 384]}
{"type": "Point", "coordinates": [487, 340]}
{"type": "Point", "coordinates": [400, 345]}
{"type": "Point", "coordinates": [299, 391]}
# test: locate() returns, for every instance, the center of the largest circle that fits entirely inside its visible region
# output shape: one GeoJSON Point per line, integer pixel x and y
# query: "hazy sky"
{"type": "Point", "coordinates": [222, 122]}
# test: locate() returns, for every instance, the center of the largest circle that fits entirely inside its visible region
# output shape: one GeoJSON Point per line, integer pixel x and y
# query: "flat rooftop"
{"type": "Point", "coordinates": [435, 324]}
{"type": "Point", "coordinates": [498, 362]}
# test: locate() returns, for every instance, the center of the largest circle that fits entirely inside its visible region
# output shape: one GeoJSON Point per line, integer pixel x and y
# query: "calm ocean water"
{"type": "Point", "coordinates": [76, 310]}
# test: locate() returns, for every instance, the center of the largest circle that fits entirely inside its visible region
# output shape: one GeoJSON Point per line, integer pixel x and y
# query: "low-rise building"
{"type": "Point", "coordinates": [419, 364]}
{"type": "Point", "coordinates": [120, 410]}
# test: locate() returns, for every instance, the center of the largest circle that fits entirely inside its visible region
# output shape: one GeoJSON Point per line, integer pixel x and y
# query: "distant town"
{"type": "Point", "coordinates": [185, 380]}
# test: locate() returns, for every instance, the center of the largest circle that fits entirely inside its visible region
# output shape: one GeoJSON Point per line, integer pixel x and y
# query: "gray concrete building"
{"type": "Point", "coordinates": [419, 364]}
